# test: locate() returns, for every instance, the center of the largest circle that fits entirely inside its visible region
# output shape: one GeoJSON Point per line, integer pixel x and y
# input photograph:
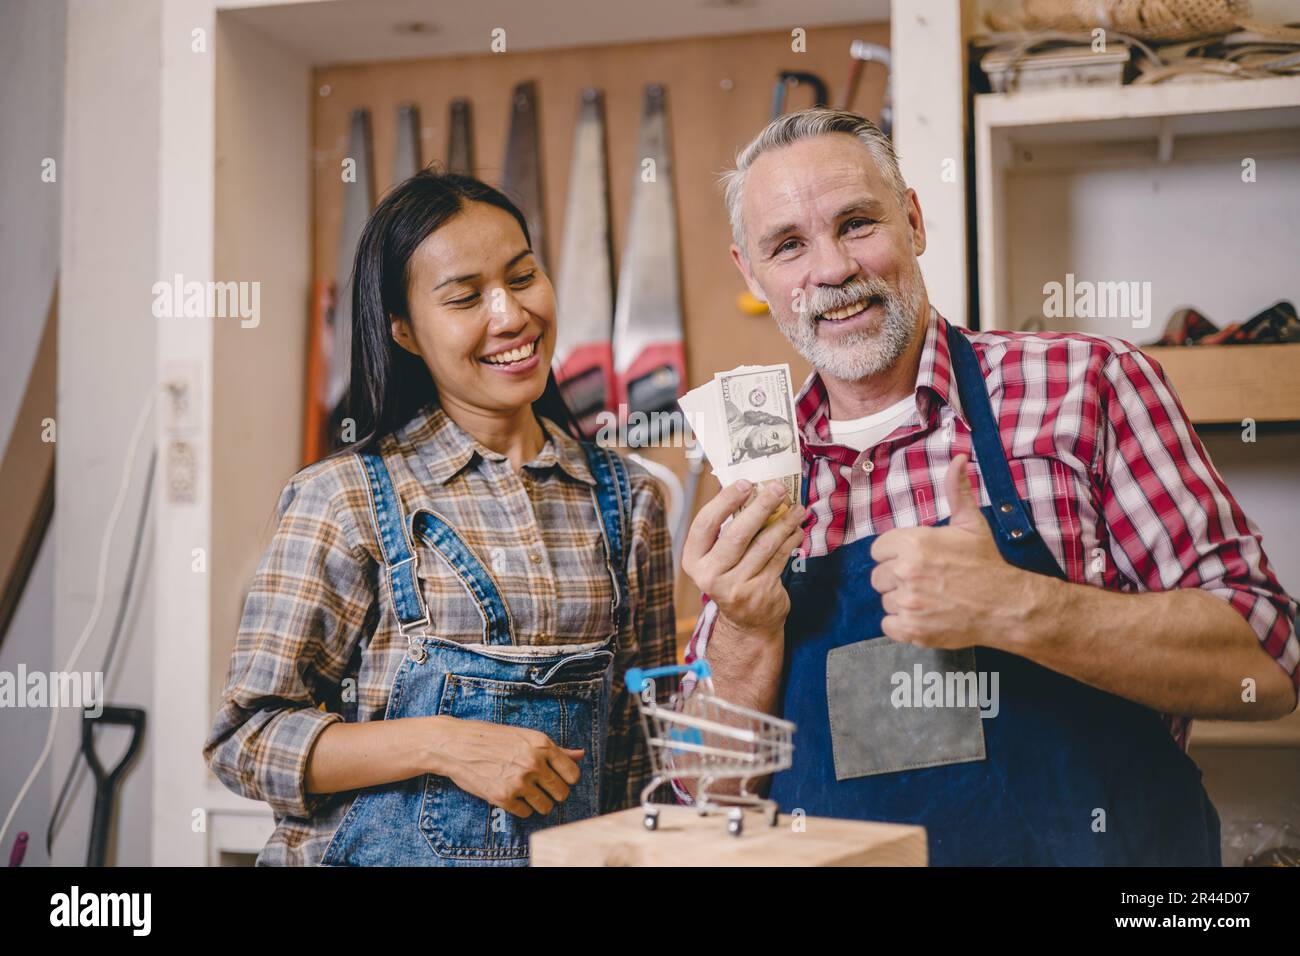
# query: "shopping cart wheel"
{"type": "Point", "coordinates": [736, 822]}
{"type": "Point", "coordinates": [651, 820]}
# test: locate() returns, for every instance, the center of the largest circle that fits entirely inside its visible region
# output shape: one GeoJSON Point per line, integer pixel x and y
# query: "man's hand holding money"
{"type": "Point", "coordinates": [739, 565]}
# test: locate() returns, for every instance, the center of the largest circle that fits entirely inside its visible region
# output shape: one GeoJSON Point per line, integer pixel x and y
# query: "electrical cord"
{"type": "Point", "coordinates": [128, 587]}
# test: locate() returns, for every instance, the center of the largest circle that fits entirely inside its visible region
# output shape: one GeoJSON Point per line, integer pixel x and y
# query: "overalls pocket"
{"type": "Point", "coordinates": [890, 708]}
{"type": "Point", "coordinates": [461, 826]}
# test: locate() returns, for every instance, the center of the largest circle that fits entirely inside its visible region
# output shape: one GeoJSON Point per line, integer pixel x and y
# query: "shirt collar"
{"type": "Point", "coordinates": [446, 448]}
{"type": "Point", "coordinates": [935, 386]}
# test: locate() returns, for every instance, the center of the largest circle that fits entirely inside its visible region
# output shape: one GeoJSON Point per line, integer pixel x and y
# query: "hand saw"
{"type": "Point", "coordinates": [521, 177]}
{"type": "Point", "coordinates": [648, 356]}
{"type": "Point", "coordinates": [406, 153]}
{"type": "Point", "coordinates": [329, 359]}
{"type": "Point", "coordinates": [746, 301]}
{"type": "Point", "coordinates": [460, 139]}
{"type": "Point", "coordinates": [584, 357]}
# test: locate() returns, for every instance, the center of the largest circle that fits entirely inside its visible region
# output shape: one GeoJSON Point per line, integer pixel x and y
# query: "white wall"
{"type": "Point", "coordinates": [31, 117]}
{"type": "Point", "coordinates": [106, 372]}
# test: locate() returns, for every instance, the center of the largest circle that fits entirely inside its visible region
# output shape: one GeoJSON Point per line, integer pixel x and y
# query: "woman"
{"type": "Point", "coordinates": [467, 571]}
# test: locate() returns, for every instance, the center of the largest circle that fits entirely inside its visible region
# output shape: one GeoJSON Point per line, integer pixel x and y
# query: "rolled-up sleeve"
{"type": "Point", "coordinates": [306, 609]}
{"type": "Point", "coordinates": [1173, 523]}
{"type": "Point", "coordinates": [650, 579]}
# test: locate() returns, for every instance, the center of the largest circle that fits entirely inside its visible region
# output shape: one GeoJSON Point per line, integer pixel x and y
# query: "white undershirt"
{"type": "Point", "coordinates": [861, 433]}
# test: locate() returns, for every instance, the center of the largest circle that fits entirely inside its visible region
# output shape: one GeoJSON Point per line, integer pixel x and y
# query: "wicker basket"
{"type": "Point", "coordinates": [1155, 20]}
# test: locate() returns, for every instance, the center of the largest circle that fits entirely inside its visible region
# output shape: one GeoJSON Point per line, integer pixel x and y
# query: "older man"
{"type": "Point", "coordinates": [1007, 650]}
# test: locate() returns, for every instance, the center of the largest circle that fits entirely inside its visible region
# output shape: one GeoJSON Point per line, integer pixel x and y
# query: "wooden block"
{"type": "Point", "coordinates": [684, 838]}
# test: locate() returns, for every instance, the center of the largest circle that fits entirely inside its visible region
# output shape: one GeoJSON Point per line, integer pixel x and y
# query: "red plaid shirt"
{"type": "Point", "coordinates": [1118, 483]}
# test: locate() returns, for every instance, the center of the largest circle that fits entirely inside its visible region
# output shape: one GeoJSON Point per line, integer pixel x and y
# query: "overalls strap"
{"type": "Point", "coordinates": [399, 559]}
{"type": "Point", "coordinates": [613, 495]}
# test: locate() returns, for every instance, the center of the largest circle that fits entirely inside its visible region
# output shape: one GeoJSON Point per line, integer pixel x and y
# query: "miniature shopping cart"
{"type": "Point", "coordinates": [703, 738]}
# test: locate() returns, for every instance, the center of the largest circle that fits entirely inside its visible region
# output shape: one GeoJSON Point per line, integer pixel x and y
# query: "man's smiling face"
{"type": "Point", "coordinates": [832, 250]}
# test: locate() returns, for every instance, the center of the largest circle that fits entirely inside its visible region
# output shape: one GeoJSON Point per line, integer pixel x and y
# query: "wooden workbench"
{"type": "Point", "coordinates": [684, 838]}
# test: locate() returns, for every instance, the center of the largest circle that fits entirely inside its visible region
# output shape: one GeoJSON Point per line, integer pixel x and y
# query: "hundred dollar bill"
{"type": "Point", "coordinates": [745, 421]}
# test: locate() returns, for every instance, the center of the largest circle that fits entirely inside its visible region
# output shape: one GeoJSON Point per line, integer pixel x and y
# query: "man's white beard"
{"type": "Point", "coordinates": [863, 353]}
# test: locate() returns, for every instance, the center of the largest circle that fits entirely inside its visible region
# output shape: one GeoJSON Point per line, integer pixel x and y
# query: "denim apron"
{"type": "Point", "coordinates": [562, 692]}
{"type": "Point", "coordinates": [1056, 773]}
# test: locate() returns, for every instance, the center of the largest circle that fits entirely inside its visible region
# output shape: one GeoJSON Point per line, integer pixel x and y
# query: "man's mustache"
{"type": "Point", "coordinates": [823, 300]}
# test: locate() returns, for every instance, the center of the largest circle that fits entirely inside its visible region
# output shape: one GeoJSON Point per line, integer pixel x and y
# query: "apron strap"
{"type": "Point", "coordinates": [390, 529]}
{"type": "Point", "coordinates": [613, 497]}
{"type": "Point", "coordinates": [1010, 515]}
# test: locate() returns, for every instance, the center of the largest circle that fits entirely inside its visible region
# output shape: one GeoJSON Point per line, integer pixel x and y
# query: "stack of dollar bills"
{"type": "Point", "coordinates": [744, 419]}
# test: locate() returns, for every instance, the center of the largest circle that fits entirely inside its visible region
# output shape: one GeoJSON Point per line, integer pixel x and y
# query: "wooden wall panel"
{"type": "Point", "coordinates": [719, 97]}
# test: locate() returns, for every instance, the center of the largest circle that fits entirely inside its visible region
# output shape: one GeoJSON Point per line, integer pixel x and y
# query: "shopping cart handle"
{"type": "Point", "coordinates": [636, 677]}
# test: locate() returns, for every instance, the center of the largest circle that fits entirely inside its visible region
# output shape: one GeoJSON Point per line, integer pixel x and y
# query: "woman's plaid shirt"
{"type": "Point", "coordinates": [318, 642]}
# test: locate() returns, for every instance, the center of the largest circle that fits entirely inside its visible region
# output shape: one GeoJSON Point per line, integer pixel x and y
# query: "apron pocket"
{"type": "Point", "coordinates": [879, 720]}
{"type": "Point", "coordinates": [461, 826]}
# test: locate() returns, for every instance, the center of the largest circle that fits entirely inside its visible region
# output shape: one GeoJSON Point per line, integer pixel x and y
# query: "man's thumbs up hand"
{"type": "Point", "coordinates": [949, 586]}
{"type": "Point", "coordinates": [961, 498]}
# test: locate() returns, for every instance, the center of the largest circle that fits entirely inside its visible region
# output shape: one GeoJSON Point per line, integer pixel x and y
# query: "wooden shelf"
{"type": "Point", "coordinates": [1236, 733]}
{"type": "Point", "coordinates": [1163, 112]}
{"type": "Point", "coordinates": [1230, 383]}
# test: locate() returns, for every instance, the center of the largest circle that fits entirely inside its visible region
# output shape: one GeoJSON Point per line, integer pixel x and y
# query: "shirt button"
{"type": "Point", "coordinates": [534, 557]}
{"type": "Point", "coordinates": [868, 466]}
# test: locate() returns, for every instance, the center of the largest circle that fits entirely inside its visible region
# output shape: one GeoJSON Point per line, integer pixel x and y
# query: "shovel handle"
{"type": "Point", "coordinates": [106, 781]}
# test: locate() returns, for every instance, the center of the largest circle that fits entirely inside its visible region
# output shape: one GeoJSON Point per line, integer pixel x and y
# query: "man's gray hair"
{"type": "Point", "coordinates": [805, 124]}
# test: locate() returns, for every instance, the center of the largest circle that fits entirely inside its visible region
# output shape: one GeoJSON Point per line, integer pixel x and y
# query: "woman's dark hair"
{"type": "Point", "coordinates": [388, 384]}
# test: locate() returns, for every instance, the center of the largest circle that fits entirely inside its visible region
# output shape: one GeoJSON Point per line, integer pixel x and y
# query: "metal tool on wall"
{"type": "Point", "coordinates": [788, 78]}
{"type": "Point", "coordinates": [584, 356]}
{"type": "Point", "coordinates": [521, 178]}
{"type": "Point", "coordinates": [406, 153]}
{"type": "Point", "coordinates": [460, 139]}
{"type": "Point", "coordinates": [330, 345]}
{"type": "Point", "coordinates": [747, 302]}
{"type": "Point", "coordinates": [649, 359]}
{"type": "Point", "coordinates": [861, 53]}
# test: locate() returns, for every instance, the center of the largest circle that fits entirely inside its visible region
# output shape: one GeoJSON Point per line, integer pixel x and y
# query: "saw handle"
{"type": "Point", "coordinates": [655, 379]}
{"type": "Point", "coordinates": [587, 382]}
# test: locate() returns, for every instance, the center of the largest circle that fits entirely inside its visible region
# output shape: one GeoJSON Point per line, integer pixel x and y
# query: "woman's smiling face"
{"type": "Point", "coordinates": [482, 312]}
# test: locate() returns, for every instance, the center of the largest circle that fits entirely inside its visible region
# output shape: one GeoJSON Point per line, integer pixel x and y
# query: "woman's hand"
{"type": "Point", "coordinates": [515, 768]}
{"type": "Point", "coordinates": [740, 566]}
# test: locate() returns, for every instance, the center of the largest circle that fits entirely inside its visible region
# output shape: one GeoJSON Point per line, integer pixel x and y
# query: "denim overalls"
{"type": "Point", "coordinates": [564, 692]}
{"type": "Point", "coordinates": [1063, 774]}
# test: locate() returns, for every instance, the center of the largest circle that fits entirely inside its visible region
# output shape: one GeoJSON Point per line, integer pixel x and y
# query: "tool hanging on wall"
{"type": "Point", "coordinates": [521, 179]}
{"type": "Point", "coordinates": [406, 154]}
{"type": "Point", "coordinates": [860, 54]}
{"type": "Point", "coordinates": [460, 138]}
{"type": "Point", "coordinates": [648, 355]}
{"type": "Point", "coordinates": [330, 339]}
{"type": "Point", "coordinates": [788, 78]}
{"type": "Point", "coordinates": [747, 302]}
{"type": "Point", "coordinates": [584, 357]}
